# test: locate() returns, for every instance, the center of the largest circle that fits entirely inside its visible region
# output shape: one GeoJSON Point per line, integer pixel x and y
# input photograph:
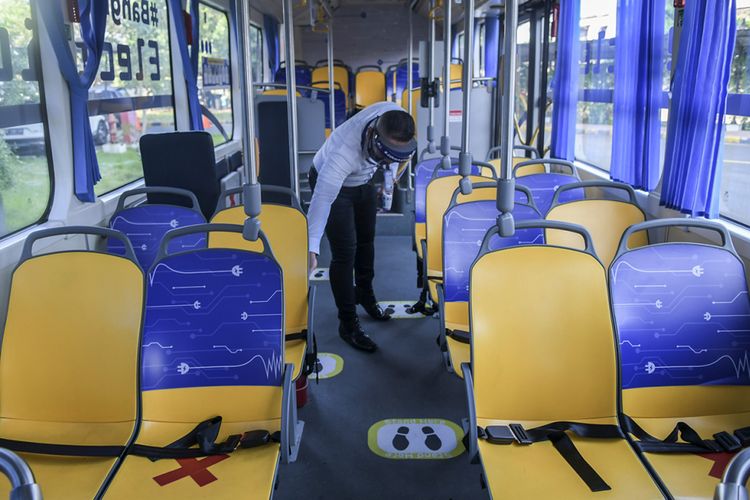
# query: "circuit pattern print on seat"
{"type": "Point", "coordinates": [145, 226]}
{"type": "Point", "coordinates": [464, 228]}
{"type": "Point", "coordinates": [543, 187]}
{"type": "Point", "coordinates": [683, 316]}
{"type": "Point", "coordinates": [423, 174]}
{"type": "Point", "coordinates": [185, 346]}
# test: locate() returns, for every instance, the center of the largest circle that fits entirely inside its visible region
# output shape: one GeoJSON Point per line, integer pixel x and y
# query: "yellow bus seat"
{"type": "Point", "coordinates": [68, 366]}
{"type": "Point", "coordinates": [543, 353]}
{"type": "Point", "coordinates": [680, 309]}
{"type": "Point", "coordinates": [370, 86]}
{"type": "Point", "coordinates": [528, 170]}
{"type": "Point", "coordinates": [286, 230]}
{"type": "Point", "coordinates": [543, 185]}
{"type": "Point", "coordinates": [340, 76]}
{"type": "Point", "coordinates": [437, 200]}
{"type": "Point", "coordinates": [457, 73]}
{"type": "Point", "coordinates": [464, 225]}
{"type": "Point", "coordinates": [605, 219]}
{"type": "Point", "coordinates": [231, 368]}
{"type": "Point", "coordinates": [279, 92]}
{"type": "Point", "coordinates": [146, 223]}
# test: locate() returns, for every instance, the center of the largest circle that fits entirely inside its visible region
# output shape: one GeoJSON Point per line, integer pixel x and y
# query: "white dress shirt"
{"type": "Point", "coordinates": [342, 162]}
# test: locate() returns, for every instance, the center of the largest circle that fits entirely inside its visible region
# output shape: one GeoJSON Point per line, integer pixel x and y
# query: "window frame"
{"type": "Point", "coordinates": [44, 217]}
{"type": "Point", "coordinates": [174, 104]}
{"type": "Point", "coordinates": [230, 59]}
{"type": "Point", "coordinates": [259, 28]}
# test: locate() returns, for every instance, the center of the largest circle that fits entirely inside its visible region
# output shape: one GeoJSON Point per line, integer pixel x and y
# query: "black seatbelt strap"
{"type": "Point", "coordinates": [289, 337]}
{"type": "Point", "coordinates": [69, 450]}
{"type": "Point", "coordinates": [555, 432]}
{"type": "Point", "coordinates": [204, 436]}
{"type": "Point", "coordinates": [692, 442]}
{"type": "Point", "coordinates": [459, 336]}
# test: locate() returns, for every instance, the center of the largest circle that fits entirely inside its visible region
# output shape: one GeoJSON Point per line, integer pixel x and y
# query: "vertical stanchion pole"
{"type": "Point", "coordinates": [410, 82]}
{"type": "Point", "coordinates": [506, 183]}
{"type": "Point", "coordinates": [431, 79]}
{"type": "Point", "coordinates": [445, 141]}
{"type": "Point", "coordinates": [465, 158]}
{"type": "Point", "coordinates": [332, 95]}
{"type": "Point", "coordinates": [251, 190]}
{"type": "Point", "coordinates": [291, 94]}
{"type": "Point", "coordinates": [246, 84]}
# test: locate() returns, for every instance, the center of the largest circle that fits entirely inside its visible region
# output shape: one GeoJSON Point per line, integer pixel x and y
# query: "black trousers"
{"type": "Point", "coordinates": [351, 233]}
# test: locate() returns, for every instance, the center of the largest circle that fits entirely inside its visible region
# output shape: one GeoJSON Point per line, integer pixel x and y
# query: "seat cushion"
{"type": "Point", "coordinates": [294, 352]}
{"type": "Point", "coordinates": [53, 473]}
{"type": "Point", "coordinates": [688, 475]}
{"type": "Point", "coordinates": [420, 233]}
{"type": "Point", "coordinates": [538, 470]}
{"type": "Point", "coordinates": [249, 473]}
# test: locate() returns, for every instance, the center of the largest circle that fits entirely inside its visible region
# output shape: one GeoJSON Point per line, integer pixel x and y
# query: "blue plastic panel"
{"type": "Point", "coordinates": [213, 318]}
{"type": "Point", "coordinates": [464, 227]}
{"type": "Point", "coordinates": [145, 226]}
{"type": "Point", "coordinates": [422, 177]}
{"type": "Point", "coordinates": [339, 109]}
{"type": "Point", "coordinates": [683, 316]}
{"type": "Point", "coordinates": [543, 187]}
{"type": "Point", "coordinates": [303, 77]}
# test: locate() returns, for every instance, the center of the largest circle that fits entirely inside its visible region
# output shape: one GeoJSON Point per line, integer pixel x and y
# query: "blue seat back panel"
{"type": "Point", "coordinates": [464, 227]}
{"type": "Point", "coordinates": [423, 174]}
{"type": "Point", "coordinates": [303, 78]}
{"type": "Point", "coordinates": [682, 315]}
{"type": "Point", "coordinates": [145, 226]}
{"type": "Point", "coordinates": [213, 318]}
{"type": "Point", "coordinates": [339, 106]}
{"type": "Point", "coordinates": [543, 187]}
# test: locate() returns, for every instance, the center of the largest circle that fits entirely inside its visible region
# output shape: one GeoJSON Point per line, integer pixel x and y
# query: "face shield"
{"type": "Point", "coordinates": [382, 151]}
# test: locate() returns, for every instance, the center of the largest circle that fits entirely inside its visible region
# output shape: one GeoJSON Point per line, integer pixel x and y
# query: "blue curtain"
{"type": "Point", "coordinates": [492, 40]}
{"type": "Point", "coordinates": [692, 169]}
{"type": "Point", "coordinates": [191, 74]}
{"type": "Point", "coordinates": [271, 32]}
{"type": "Point", "coordinates": [639, 53]}
{"type": "Point", "coordinates": [93, 15]}
{"type": "Point", "coordinates": [565, 85]}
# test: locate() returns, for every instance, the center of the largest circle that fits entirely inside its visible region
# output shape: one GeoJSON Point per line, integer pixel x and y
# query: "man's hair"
{"type": "Point", "coordinates": [397, 125]}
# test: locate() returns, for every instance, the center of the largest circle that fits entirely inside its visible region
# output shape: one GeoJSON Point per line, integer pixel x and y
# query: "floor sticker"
{"type": "Point", "coordinates": [416, 439]}
{"type": "Point", "coordinates": [329, 365]}
{"type": "Point", "coordinates": [196, 469]}
{"type": "Point", "coordinates": [320, 274]}
{"type": "Point", "coordinates": [397, 309]}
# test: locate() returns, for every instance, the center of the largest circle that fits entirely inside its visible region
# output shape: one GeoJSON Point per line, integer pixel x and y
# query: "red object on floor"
{"type": "Point", "coordinates": [301, 391]}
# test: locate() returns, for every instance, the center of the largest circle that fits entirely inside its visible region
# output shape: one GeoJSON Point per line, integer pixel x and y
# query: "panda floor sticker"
{"type": "Point", "coordinates": [329, 365]}
{"type": "Point", "coordinates": [416, 439]}
{"type": "Point", "coordinates": [319, 274]}
{"type": "Point", "coordinates": [397, 309]}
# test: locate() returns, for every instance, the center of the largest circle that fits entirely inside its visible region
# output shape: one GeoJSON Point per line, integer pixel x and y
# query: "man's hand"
{"type": "Point", "coordinates": [312, 262]}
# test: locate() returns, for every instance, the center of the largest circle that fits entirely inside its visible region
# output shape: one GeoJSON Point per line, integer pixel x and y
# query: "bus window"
{"type": "Point", "coordinates": [735, 174]}
{"type": "Point", "coordinates": [132, 94]}
{"type": "Point", "coordinates": [256, 51]}
{"type": "Point", "coordinates": [25, 173]}
{"type": "Point", "coordinates": [523, 37]}
{"type": "Point", "coordinates": [214, 74]}
{"type": "Point", "coordinates": [596, 82]}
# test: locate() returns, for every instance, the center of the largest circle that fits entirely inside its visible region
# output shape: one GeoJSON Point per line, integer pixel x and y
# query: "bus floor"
{"type": "Point", "coordinates": [405, 379]}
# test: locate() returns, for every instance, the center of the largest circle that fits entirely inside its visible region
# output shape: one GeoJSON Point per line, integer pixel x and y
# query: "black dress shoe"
{"type": "Point", "coordinates": [370, 304]}
{"type": "Point", "coordinates": [353, 334]}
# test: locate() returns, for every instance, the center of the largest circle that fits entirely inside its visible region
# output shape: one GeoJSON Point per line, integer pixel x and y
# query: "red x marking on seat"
{"type": "Point", "coordinates": [196, 469]}
{"type": "Point", "coordinates": [720, 460]}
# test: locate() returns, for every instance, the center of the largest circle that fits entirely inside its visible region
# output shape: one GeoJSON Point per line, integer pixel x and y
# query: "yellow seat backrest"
{"type": "Point", "coordinates": [439, 193]}
{"type": "Point", "coordinates": [278, 92]}
{"type": "Point", "coordinates": [370, 88]}
{"type": "Point", "coordinates": [457, 71]}
{"type": "Point", "coordinates": [416, 95]}
{"type": "Point", "coordinates": [286, 230]}
{"type": "Point", "coordinates": [527, 170]}
{"type": "Point", "coordinates": [340, 76]}
{"type": "Point", "coordinates": [71, 343]}
{"type": "Point", "coordinates": [605, 220]}
{"type": "Point", "coordinates": [543, 345]}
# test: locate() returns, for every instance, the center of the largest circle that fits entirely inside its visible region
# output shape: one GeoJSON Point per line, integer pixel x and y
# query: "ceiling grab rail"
{"type": "Point", "coordinates": [506, 184]}
{"type": "Point", "coordinates": [252, 196]}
